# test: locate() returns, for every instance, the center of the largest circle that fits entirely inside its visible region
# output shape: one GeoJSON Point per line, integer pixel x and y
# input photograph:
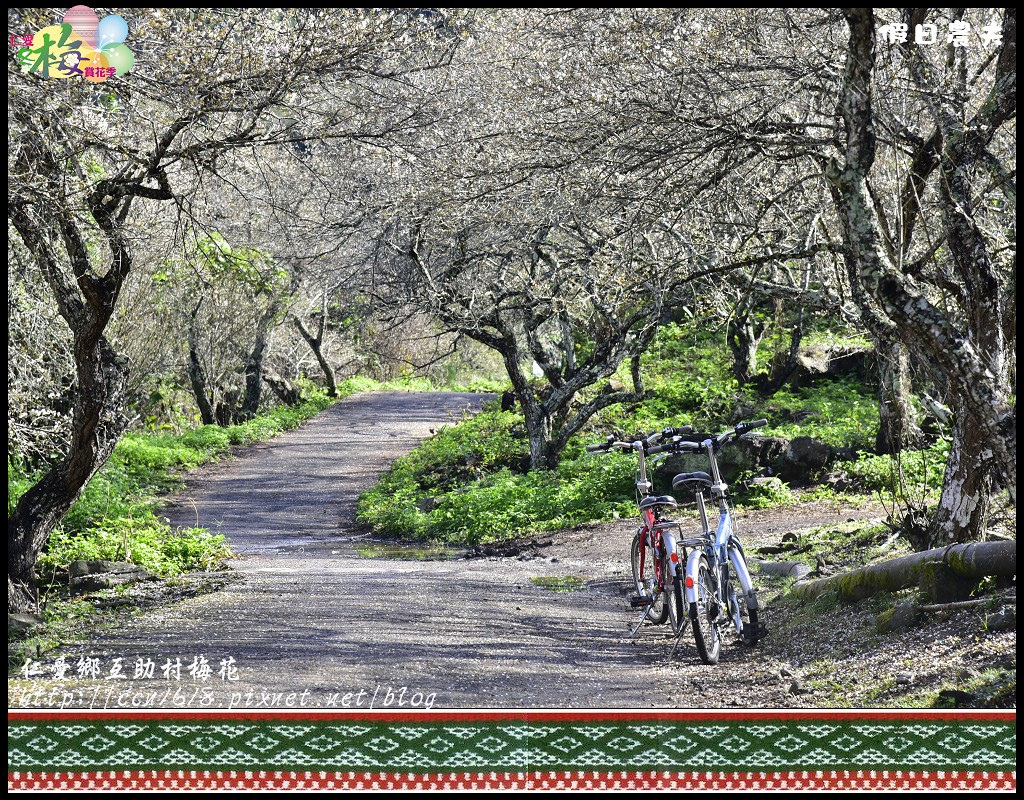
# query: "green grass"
{"type": "Point", "coordinates": [922, 471]}
{"type": "Point", "coordinates": [689, 381]}
{"type": "Point", "coordinates": [116, 518]}
{"type": "Point", "coordinates": [468, 484]}
{"type": "Point", "coordinates": [839, 412]}
{"type": "Point", "coordinates": [771, 494]}
{"type": "Point", "coordinates": [415, 383]}
{"type": "Point", "coordinates": [559, 583]}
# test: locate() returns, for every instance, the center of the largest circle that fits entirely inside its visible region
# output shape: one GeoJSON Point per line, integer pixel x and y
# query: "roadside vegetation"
{"type": "Point", "coordinates": [117, 518]}
{"type": "Point", "coordinates": [471, 482]}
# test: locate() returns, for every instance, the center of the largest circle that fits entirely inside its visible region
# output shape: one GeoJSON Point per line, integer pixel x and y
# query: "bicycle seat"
{"type": "Point", "coordinates": [692, 480]}
{"type": "Point", "coordinates": [658, 500]}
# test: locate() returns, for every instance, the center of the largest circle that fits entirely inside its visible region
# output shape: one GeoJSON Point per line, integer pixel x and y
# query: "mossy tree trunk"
{"type": "Point", "coordinates": [969, 352]}
{"type": "Point", "coordinates": [971, 560]}
{"type": "Point", "coordinates": [897, 429]}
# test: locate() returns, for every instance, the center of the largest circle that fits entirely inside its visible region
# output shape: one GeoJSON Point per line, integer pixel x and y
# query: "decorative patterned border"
{"type": "Point", "coordinates": [303, 781]}
{"type": "Point", "coordinates": [515, 750]}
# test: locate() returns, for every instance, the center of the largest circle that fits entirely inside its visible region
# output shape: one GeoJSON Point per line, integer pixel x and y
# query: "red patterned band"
{"type": "Point", "coordinates": [182, 779]}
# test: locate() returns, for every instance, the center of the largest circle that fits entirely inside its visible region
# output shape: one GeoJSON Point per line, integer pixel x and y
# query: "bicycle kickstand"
{"type": "Point", "coordinates": [633, 630]}
{"type": "Point", "coordinates": [679, 637]}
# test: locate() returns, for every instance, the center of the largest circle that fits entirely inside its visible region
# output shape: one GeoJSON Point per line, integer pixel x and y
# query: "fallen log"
{"type": "Point", "coordinates": [931, 569]}
{"type": "Point", "coordinates": [781, 569]}
{"type": "Point", "coordinates": [981, 601]}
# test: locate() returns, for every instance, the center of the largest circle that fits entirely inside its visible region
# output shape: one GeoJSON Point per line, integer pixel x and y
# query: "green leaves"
{"type": "Point", "coordinates": [922, 470]}
{"type": "Point", "coordinates": [466, 485]}
{"type": "Point", "coordinates": [842, 413]}
{"type": "Point", "coordinates": [114, 519]}
{"type": "Point", "coordinates": [769, 494]}
{"type": "Point", "coordinates": [250, 266]}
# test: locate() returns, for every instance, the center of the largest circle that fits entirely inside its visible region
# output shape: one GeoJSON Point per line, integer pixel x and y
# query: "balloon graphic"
{"type": "Point", "coordinates": [111, 30]}
{"type": "Point", "coordinates": [84, 21]}
{"type": "Point", "coordinates": [98, 60]}
{"type": "Point", "coordinates": [119, 57]}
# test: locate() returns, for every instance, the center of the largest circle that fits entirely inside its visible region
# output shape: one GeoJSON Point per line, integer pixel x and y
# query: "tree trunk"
{"type": "Point", "coordinates": [254, 364]}
{"type": "Point", "coordinates": [85, 301]}
{"type": "Point", "coordinates": [538, 428]}
{"type": "Point", "coordinates": [743, 340]}
{"type": "Point", "coordinates": [975, 560]}
{"type": "Point", "coordinates": [253, 380]}
{"type": "Point", "coordinates": [783, 364]}
{"type": "Point", "coordinates": [97, 422]}
{"type": "Point", "coordinates": [966, 486]}
{"type": "Point", "coordinates": [316, 345]}
{"type": "Point", "coordinates": [781, 569]}
{"type": "Point", "coordinates": [196, 373]}
{"type": "Point", "coordinates": [227, 412]}
{"type": "Point", "coordinates": [897, 429]}
{"type": "Point", "coordinates": [969, 361]}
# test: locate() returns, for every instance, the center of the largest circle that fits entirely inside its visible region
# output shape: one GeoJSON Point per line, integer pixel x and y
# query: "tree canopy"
{"type": "Point", "coordinates": [270, 195]}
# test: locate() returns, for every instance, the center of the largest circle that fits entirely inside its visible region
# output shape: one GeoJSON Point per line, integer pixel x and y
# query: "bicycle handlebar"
{"type": "Point", "coordinates": [604, 447]}
{"type": "Point", "coordinates": [675, 447]}
{"type": "Point", "coordinates": [684, 438]}
{"type": "Point", "coordinates": [746, 427]}
{"type": "Point", "coordinates": [642, 442]}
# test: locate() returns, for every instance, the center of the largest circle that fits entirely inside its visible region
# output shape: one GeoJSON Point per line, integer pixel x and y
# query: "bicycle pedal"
{"type": "Point", "coordinates": [639, 601]}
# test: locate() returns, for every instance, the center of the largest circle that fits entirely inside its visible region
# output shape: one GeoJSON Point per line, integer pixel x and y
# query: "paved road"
{"type": "Point", "coordinates": [309, 615]}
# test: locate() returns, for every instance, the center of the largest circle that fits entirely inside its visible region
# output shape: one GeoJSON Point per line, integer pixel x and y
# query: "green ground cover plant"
{"type": "Point", "coordinates": [469, 483]}
{"type": "Point", "coordinates": [921, 471]}
{"type": "Point", "coordinates": [117, 516]}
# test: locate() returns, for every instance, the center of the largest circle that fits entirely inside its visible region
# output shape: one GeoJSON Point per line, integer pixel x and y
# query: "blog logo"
{"type": "Point", "coordinates": [82, 46]}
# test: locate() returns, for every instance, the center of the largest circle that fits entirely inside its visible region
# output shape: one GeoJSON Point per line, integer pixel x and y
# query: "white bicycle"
{"type": "Point", "coordinates": [717, 584]}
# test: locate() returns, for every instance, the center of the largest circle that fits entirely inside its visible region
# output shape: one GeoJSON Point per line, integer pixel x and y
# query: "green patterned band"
{"type": "Point", "coordinates": [444, 746]}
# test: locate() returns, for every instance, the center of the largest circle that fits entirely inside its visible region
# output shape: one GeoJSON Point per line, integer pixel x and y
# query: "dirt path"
{"type": "Point", "coordinates": [311, 615]}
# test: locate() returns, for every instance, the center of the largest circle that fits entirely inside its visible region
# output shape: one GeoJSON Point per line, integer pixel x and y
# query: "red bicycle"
{"type": "Point", "coordinates": [656, 560]}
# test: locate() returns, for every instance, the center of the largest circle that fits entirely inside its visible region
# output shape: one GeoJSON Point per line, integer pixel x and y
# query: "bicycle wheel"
{"type": "Point", "coordinates": [748, 629]}
{"type": "Point", "coordinates": [674, 576]}
{"type": "Point", "coordinates": [657, 611]}
{"type": "Point", "coordinates": [676, 604]}
{"type": "Point", "coordinates": [704, 614]}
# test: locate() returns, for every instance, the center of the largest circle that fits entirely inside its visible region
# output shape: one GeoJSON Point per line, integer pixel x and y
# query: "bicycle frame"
{"type": "Point", "coordinates": [652, 528]}
{"type": "Point", "coordinates": [723, 549]}
{"type": "Point", "coordinates": [656, 537]}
